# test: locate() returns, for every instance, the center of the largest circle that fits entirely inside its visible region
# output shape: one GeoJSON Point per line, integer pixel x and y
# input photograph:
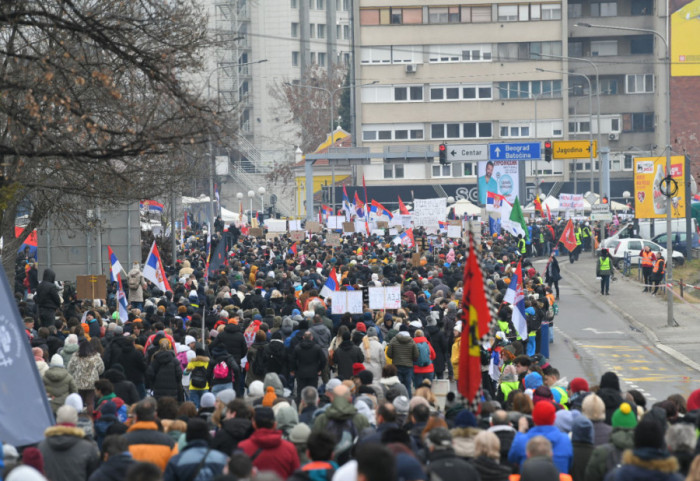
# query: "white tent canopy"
{"type": "Point", "coordinates": [230, 216]}
{"type": "Point", "coordinates": [463, 206]}
{"type": "Point", "coordinates": [550, 201]}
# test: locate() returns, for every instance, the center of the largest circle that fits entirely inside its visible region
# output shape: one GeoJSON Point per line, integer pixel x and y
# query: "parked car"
{"type": "Point", "coordinates": [678, 240]}
{"type": "Point", "coordinates": [618, 248]}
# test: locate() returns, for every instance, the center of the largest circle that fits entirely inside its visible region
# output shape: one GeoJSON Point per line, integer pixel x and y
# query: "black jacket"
{"type": "Point", "coordinates": [308, 359]}
{"type": "Point", "coordinates": [47, 293]}
{"type": "Point", "coordinates": [164, 375]}
{"type": "Point", "coordinates": [232, 432]}
{"type": "Point", "coordinates": [124, 389]}
{"type": "Point", "coordinates": [114, 469]}
{"type": "Point", "coordinates": [276, 357]}
{"type": "Point", "coordinates": [122, 351]}
{"type": "Point", "coordinates": [447, 465]}
{"type": "Point", "coordinates": [490, 470]}
{"type": "Point", "coordinates": [234, 342]}
{"type": "Point", "coordinates": [345, 356]}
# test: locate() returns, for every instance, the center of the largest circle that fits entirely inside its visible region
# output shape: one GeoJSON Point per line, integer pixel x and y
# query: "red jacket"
{"type": "Point", "coordinates": [277, 454]}
{"type": "Point", "coordinates": [429, 368]}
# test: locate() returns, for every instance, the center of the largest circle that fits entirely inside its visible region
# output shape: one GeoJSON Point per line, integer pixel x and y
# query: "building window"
{"type": "Point", "coordinates": [443, 15]}
{"type": "Point", "coordinates": [346, 32]}
{"type": "Point", "coordinates": [604, 9]}
{"type": "Point", "coordinates": [603, 48]}
{"type": "Point", "coordinates": [459, 53]}
{"type": "Point", "coordinates": [507, 13]}
{"type": "Point", "coordinates": [642, 7]}
{"type": "Point", "coordinates": [407, 54]}
{"type": "Point", "coordinates": [642, 44]}
{"type": "Point", "coordinates": [388, 132]}
{"type": "Point", "coordinates": [638, 122]}
{"type": "Point", "coordinates": [608, 86]}
{"type": "Point", "coordinates": [337, 32]}
{"type": "Point", "coordinates": [468, 169]}
{"type": "Point", "coordinates": [457, 92]}
{"type": "Point", "coordinates": [526, 89]}
{"type": "Point", "coordinates": [369, 16]}
{"type": "Point", "coordinates": [408, 94]}
{"type": "Point", "coordinates": [442, 170]}
{"type": "Point", "coordinates": [376, 55]}
{"type": "Point", "coordinates": [514, 131]}
{"type": "Point", "coordinates": [476, 14]}
{"type": "Point", "coordinates": [396, 16]}
{"type": "Point", "coordinates": [321, 59]}
{"type": "Point", "coordinates": [393, 171]}
{"type": "Point", "coordinates": [639, 84]}
{"type": "Point", "coordinates": [295, 59]}
{"type": "Point", "coordinates": [575, 49]}
{"type": "Point", "coordinates": [469, 130]}
{"type": "Point", "coordinates": [477, 130]}
{"type": "Point", "coordinates": [551, 11]}
{"type": "Point", "coordinates": [295, 30]}
{"type": "Point", "coordinates": [575, 10]}
{"type": "Point", "coordinates": [320, 5]}
{"type": "Point", "coordinates": [312, 30]}
{"type": "Point", "coordinates": [294, 3]}
{"type": "Point", "coordinates": [321, 30]}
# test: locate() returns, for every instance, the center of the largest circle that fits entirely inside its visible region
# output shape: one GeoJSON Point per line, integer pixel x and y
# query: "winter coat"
{"type": "Point", "coordinates": [601, 432]}
{"type": "Point", "coordinates": [255, 349]}
{"type": "Point", "coordinates": [463, 441]}
{"type": "Point", "coordinates": [340, 411]}
{"type": "Point", "coordinates": [220, 354]}
{"type": "Point", "coordinates": [561, 447]}
{"type": "Point", "coordinates": [234, 342]}
{"type": "Point", "coordinates": [67, 352]}
{"type": "Point", "coordinates": [646, 465]}
{"type": "Point", "coordinates": [277, 359]}
{"type": "Point", "coordinates": [446, 465]}
{"type": "Point", "coordinates": [438, 340]}
{"type": "Point", "coordinates": [130, 358]}
{"type": "Point", "coordinates": [552, 272]}
{"type": "Point", "coordinates": [375, 359]}
{"type": "Point", "coordinates": [164, 375]}
{"type": "Point", "coordinates": [308, 359]}
{"type": "Point", "coordinates": [322, 335]}
{"type": "Point", "coordinates": [491, 470]}
{"type": "Point", "coordinates": [275, 453]}
{"type": "Point", "coordinates": [114, 469]}
{"type": "Point", "coordinates": [402, 350]}
{"type": "Point", "coordinates": [86, 370]}
{"type": "Point", "coordinates": [184, 466]}
{"type": "Point", "coordinates": [58, 384]}
{"type": "Point", "coordinates": [612, 399]}
{"type": "Point", "coordinates": [123, 388]}
{"type": "Point", "coordinates": [46, 297]}
{"type": "Point", "coordinates": [582, 454]}
{"type": "Point", "coordinates": [505, 435]}
{"type": "Point", "coordinates": [608, 455]}
{"type": "Point", "coordinates": [344, 357]}
{"type": "Point", "coordinates": [149, 445]}
{"type": "Point", "coordinates": [68, 456]}
{"type": "Point", "coordinates": [430, 367]}
{"type": "Point", "coordinates": [232, 432]}
{"type": "Point", "coordinates": [135, 278]}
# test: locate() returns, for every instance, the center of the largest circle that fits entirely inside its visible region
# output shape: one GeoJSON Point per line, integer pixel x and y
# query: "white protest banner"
{"type": "Point", "coordinates": [295, 225]}
{"type": "Point", "coordinates": [454, 231]}
{"type": "Point", "coordinates": [335, 221]}
{"type": "Point", "coordinates": [385, 297]}
{"type": "Point", "coordinates": [346, 301]}
{"type": "Point", "coordinates": [427, 212]}
{"type": "Point", "coordinates": [571, 201]}
{"type": "Point", "coordinates": [276, 225]}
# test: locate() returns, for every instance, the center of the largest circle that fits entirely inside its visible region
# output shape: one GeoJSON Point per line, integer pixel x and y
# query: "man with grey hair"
{"type": "Point", "coordinates": [680, 441]}
{"type": "Point", "coordinates": [308, 405]}
{"type": "Point", "coordinates": [443, 463]}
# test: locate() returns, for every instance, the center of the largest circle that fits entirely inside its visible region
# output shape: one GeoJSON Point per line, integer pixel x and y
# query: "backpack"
{"type": "Point", "coordinates": [259, 365]}
{"type": "Point", "coordinates": [182, 357]}
{"type": "Point", "coordinates": [423, 354]}
{"type": "Point", "coordinates": [221, 371]}
{"type": "Point", "coordinates": [532, 323]}
{"type": "Point", "coordinates": [613, 459]}
{"type": "Point", "coordinates": [345, 434]}
{"type": "Point", "coordinates": [198, 378]}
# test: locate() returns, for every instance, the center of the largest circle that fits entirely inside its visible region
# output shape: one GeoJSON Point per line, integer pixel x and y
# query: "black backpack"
{"type": "Point", "coordinates": [198, 378]}
{"type": "Point", "coordinates": [345, 434]}
{"type": "Point", "coordinates": [259, 364]}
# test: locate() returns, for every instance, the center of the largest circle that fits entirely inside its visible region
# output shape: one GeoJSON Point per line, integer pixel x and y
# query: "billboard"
{"type": "Point", "coordinates": [499, 177]}
{"type": "Point", "coordinates": [649, 172]}
{"type": "Point", "coordinates": [685, 31]}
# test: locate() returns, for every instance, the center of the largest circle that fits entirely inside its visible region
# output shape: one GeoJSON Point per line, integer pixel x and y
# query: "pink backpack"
{"type": "Point", "coordinates": [221, 371]}
{"type": "Point", "coordinates": [182, 357]}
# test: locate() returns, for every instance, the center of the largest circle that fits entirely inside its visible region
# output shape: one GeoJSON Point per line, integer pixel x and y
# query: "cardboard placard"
{"type": "Point", "coordinates": [348, 227]}
{"type": "Point", "coordinates": [298, 235]}
{"type": "Point", "coordinates": [382, 224]}
{"type": "Point", "coordinates": [454, 222]}
{"type": "Point", "coordinates": [346, 301]}
{"type": "Point", "coordinates": [255, 232]}
{"type": "Point", "coordinates": [415, 259]}
{"type": "Point", "coordinates": [91, 287]}
{"type": "Point", "coordinates": [333, 239]}
{"type": "Point", "coordinates": [385, 297]}
{"type": "Point", "coordinates": [313, 227]}
{"type": "Point", "coordinates": [272, 235]}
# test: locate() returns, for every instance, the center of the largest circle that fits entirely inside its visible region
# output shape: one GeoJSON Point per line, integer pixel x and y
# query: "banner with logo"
{"type": "Point", "coordinates": [649, 187]}
{"type": "Point", "coordinates": [499, 177]}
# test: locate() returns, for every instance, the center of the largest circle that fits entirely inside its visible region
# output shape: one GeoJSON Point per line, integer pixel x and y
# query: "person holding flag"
{"type": "Point", "coordinates": [153, 270]}
{"type": "Point", "coordinates": [136, 285]}
{"type": "Point", "coordinates": [115, 276]}
{"type": "Point", "coordinates": [347, 208]}
{"type": "Point", "coordinates": [570, 241]}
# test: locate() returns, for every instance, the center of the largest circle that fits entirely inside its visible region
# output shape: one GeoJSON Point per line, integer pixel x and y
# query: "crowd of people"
{"type": "Point", "coordinates": [244, 371]}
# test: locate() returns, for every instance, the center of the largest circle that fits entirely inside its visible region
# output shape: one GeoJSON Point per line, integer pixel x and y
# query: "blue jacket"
{"type": "Point", "coordinates": [182, 467]}
{"type": "Point", "coordinates": [561, 447]}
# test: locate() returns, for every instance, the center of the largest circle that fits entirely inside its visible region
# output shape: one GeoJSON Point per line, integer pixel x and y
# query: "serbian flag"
{"type": "Point", "coordinates": [442, 225]}
{"type": "Point", "coordinates": [568, 237]}
{"type": "Point", "coordinates": [346, 204]}
{"type": "Point", "coordinates": [293, 250]}
{"type": "Point", "coordinates": [151, 206]}
{"type": "Point", "coordinates": [216, 195]}
{"type": "Point", "coordinates": [379, 209]}
{"type": "Point", "coordinates": [115, 265]}
{"type": "Point", "coordinates": [206, 267]}
{"type": "Point", "coordinates": [153, 270]}
{"type": "Point", "coordinates": [494, 201]}
{"type": "Point", "coordinates": [359, 207]}
{"type": "Point", "coordinates": [402, 208]}
{"type": "Point", "coordinates": [538, 206]}
{"type": "Point", "coordinates": [122, 302]}
{"type": "Point", "coordinates": [475, 324]}
{"type": "Point", "coordinates": [331, 285]}
{"type": "Point", "coordinates": [326, 210]}
{"type": "Point", "coordinates": [494, 226]}
{"type": "Point", "coordinates": [405, 238]}
{"type": "Point", "coordinates": [549, 213]}
{"type": "Point", "coordinates": [515, 296]}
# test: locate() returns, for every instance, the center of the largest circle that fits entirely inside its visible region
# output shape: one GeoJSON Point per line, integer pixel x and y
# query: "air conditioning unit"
{"type": "Point", "coordinates": [411, 68]}
{"type": "Point", "coordinates": [614, 136]}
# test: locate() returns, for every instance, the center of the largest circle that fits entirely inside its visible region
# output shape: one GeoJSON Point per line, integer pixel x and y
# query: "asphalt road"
{"type": "Point", "coordinates": [591, 339]}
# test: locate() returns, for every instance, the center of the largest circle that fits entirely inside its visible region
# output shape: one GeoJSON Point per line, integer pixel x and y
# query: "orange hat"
{"type": "Point", "coordinates": [270, 397]}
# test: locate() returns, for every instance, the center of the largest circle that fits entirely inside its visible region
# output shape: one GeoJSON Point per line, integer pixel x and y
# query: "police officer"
{"type": "Point", "coordinates": [604, 270]}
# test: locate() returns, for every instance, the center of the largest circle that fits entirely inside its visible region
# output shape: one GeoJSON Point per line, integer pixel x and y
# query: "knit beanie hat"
{"type": "Point", "coordinates": [67, 415]}
{"type": "Point", "coordinates": [270, 397]}
{"type": "Point", "coordinates": [578, 384]}
{"type": "Point", "coordinates": [648, 434]}
{"type": "Point", "coordinates": [533, 380]}
{"type": "Point", "coordinates": [624, 417]}
{"type": "Point", "coordinates": [75, 401]}
{"type": "Point", "coordinates": [31, 456]}
{"type": "Point", "coordinates": [208, 400]}
{"type": "Point", "coordinates": [542, 393]}
{"type": "Point", "coordinates": [357, 368]}
{"type": "Point", "coordinates": [300, 433]}
{"type": "Point", "coordinates": [544, 413]}
{"type": "Point", "coordinates": [56, 361]}
{"type": "Point", "coordinates": [197, 429]}
{"type": "Point", "coordinates": [694, 400]}
{"type": "Point", "coordinates": [465, 419]}
{"type": "Point", "coordinates": [256, 389]}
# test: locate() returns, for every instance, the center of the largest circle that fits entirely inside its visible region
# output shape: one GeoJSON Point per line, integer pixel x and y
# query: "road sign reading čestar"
{"type": "Point", "coordinates": [520, 151]}
{"type": "Point", "coordinates": [465, 152]}
{"type": "Point", "coordinates": [573, 149]}
{"type": "Point", "coordinates": [601, 212]}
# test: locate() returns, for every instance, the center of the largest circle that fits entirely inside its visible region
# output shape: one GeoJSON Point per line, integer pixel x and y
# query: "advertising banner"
{"type": "Point", "coordinates": [499, 177]}
{"type": "Point", "coordinates": [685, 31]}
{"type": "Point", "coordinates": [649, 200]}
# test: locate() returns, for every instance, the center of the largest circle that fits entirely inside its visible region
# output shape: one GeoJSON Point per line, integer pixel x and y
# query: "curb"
{"type": "Point", "coordinates": [648, 333]}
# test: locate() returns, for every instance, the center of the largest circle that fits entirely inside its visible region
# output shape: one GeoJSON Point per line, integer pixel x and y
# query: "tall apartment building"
{"type": "Point", "coordinates": [467, 73]}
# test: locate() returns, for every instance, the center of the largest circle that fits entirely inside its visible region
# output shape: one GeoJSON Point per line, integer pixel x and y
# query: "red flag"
{"type": "Point", "coordinates": [549, 213]}
{"type": "Point", "coordinates": [364, 186]}
{"type": "Point", "coordinates": [475, 324]}
{"type": "Point", "coordinates": [538, 206]}
{"type": "Point", "coordinates": [568, 238]}
{"type": "Point", "coordinates": [294, 249]}
{"type": "Point", "coordinates": [402, 208]}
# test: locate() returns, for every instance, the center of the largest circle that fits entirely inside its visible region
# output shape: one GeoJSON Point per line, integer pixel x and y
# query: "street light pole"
{"type": "Point", "coordinates": [590, 117]}
{"type": "Point", "coordinates": [669, 237]}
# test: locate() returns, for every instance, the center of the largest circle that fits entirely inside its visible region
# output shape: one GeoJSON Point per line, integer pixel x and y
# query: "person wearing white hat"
{"type": "Point", "coordinates": [58, 383]}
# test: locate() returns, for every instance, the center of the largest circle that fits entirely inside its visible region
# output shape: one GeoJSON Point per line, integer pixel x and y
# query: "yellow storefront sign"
{"type": "Point", "coordinates": [650, 202]}
{"type": "Point", "coordinates": [573, 149]}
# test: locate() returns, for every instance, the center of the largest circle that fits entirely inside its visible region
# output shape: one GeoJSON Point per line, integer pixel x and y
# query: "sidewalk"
{"type": "Point", "coordinates": [643, 312]}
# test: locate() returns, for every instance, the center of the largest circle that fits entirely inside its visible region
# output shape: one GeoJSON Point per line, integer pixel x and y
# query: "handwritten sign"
{"type": "Point", "coordinates": [335, 221]}
{"type": "Point", "coordinates": [333, 239]}
{"type": "Point", "coordinates": [91, 287]}
{"type": "Point", "coordinates": [295, 225]}
{"type": "Point", "coordinates": [346, 301]}
{"type": "Point", "coordinates": [382, 224]}
{"type": "Point", "coordinates": [313, 227]}
{"type": "Point", "coordinates": [270, 236]}
{"type": "Point", "coordinates": [348, 227]}
{"type": "Point", "coordinates": [385, 297]}
{"type": "Point", "coordinates": [276, 225]}
{"type": "Point", "coordinates": [255, 232]}
{"type": "Point", "coordinates": [427, 212]}
{"type": "Point", "coordinates": [454, 231]}
{"type": "Point", "coordinates": [297, 235]}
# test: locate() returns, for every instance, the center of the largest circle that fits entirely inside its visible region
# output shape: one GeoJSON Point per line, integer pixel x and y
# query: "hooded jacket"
{"type": "Point", "coordinates": [430, 367]}
{"type": "Point", "coordinates": [340, 411]}
{"type": "Point", "coordinates": [375, 359]}
{"type": "Point", "coordinates": [447, 465]}
{"type": "Point", "coordinates": [561, 446]}
{"type": "Point", "coordinates": [582, 443]}
{"type": "Point", "coordinates": [233, 340]}
{"type": "Point", "coordinates": [609, 453]}
{"type": "Point", "coordinates": [402, 350]}
{"type": "Point", "coordinates": [164, 375]}
{"type": "Point", "coordinates": [47, 298]}
{"type": "Point", "coordinates": [148, 444]}
{"type": "Point", "coordinates": [67, 352]}
{"type": "Point", "coordinates": [114, 469]}
{"type": "Point", "coordinates": [184, 466]}
{"type": "Point", "coordinates": [275, 454]}
{"type": "Point", "coordinates": [232, 432]}
{"type": "Point", "coordinates": [646, 465]}
{"type": "Point", "coordinates": [345, 356]}
{"type": "Point", "coordinates": [123, 388]}
{"type": "Point", "coordinates": [68, 456]}
{"type": "Point", "coordinates": [308, 359]}
{"type": "Point", "coordinates": [58, 384]}
{"type": "Point", "coordinates": [135, 278]}
{"type": "Point", "coordinates": [491, 470]}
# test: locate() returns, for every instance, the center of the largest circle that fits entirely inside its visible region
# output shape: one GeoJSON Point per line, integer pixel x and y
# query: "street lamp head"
{"type": "Point", "coordinates": [251, 193]}
{"type": "Point", "coordinates": [261, 190]}
{"type": "Point", "coordinates": [239, 196]}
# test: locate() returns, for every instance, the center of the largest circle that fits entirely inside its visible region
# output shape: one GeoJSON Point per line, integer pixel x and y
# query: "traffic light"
{"type": "Point", "coordinates": [443, 153]}
{"type": "Point", "coordinates": [604, 200]}
{"type": "Point", "coordinates": [547, 150]}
